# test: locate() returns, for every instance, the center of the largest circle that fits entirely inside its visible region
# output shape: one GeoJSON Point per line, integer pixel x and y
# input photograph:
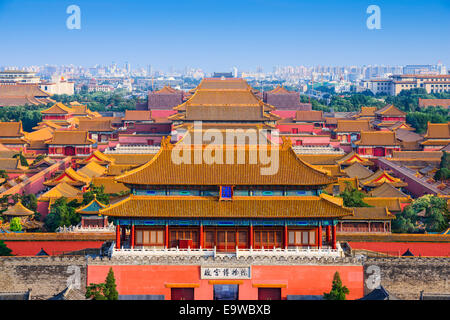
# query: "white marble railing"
{"type": "Point", "coordinates": [317, 150]}
{"type": "Point", "coordinates": [267, 252]}
{"type": "Point", "coordinates": [78, 228]}
{"type": "Point", "coordinates": [305, 252]}
{"type": "Point", "coordinates": [148, 251]}
{"type": "Point", "coordinates": [133, 149]}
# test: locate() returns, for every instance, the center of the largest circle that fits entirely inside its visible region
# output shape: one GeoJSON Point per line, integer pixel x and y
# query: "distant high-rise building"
{"type": "Point", "coordinates": [418, 69]}
{"type": "Point", "coordinates": [128, 67]}
{"type": "Point", "coordinates": [235, 72]}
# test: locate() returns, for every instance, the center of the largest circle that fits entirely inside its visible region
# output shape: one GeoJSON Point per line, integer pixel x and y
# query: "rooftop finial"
{"type": "Point", "coordinates": [287, 143]}
{"type": "Point", "coordinates": [165, 143]}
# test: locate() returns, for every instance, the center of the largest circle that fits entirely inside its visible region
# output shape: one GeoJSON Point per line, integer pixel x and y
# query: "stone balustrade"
{"type": "Point", "coordinates": [201, 252]}
{"type": "Point", "coordinates": [132, 149]}
{"type": "Point", "coordinates": [78, 228]}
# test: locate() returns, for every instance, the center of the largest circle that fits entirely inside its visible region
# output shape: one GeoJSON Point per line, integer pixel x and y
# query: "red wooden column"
{"type": "Point", "coordinates": [328, 234]}
{"type": "Point", "coordinates": [251, 236]}
{"type": "Point", "coordinates": [124, 233]}
{"type": "Point", "coordinates": [132, 236]}
{"type": "Point", "coordinates": [333, 234]}
{"type": "Point", "coordinates": [285, 236]}
{"type": "Point", "coordinates": [166, 237]}
{"type": "Point", "coordinates": [319, 237]}
{"type": "Point", "coordinates": [201, 236]}
{"type": "Point", "coordinates": [118, 236]}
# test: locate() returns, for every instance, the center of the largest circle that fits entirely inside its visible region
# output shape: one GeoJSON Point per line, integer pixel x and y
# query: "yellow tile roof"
{"type": "Point", "coordinates": [11, 129]}
{"type": "Point", "coordinates": [95, 125]}
{"type": "Point", "coordinates": [131, 159]}
{"type": "Point", "coordinates": [367, 112]}
{"type": "Point", "coordinates": [92, 169]}
{"type": "Point", "coordinates": [342, 183]}
{"type": "Point", "coordinates": [111, 186]}
{"type": "Point", "coordinates": [226, 84]}
{"type": "Point", "coordinates": [392, 203]}
{"type": "Point", "coordinates": [97, 156]}
{"type": "Point", "coordinates": [390, 110]}
{"type": "Point", "coordinates": [239, 207]}
{"type": "Point", "coordinates": [47, 123]}
{"type": "Point", "coordinates": [162, 169]}
{"type": "Point", "coordinates": [58, 108]}
{"type": "Point", "coordinates": [371, 213]}
{"type": "Point", "coordinates": [380, 177]}
{"type": "Point", "coordinates": [377, 138]}
{"type": "Point", "coordinates": [320, 159]}
{"type": "Point", "coordinates": [71, 177]}
{"type": "Point", "coordinates": [280, 90]}
{"type": "Point", "coordinates": [43, 134]}
{"type": "Point", "coordinates": [353, 157]}
{"type": "Point", "coordinates": [70, 137]}
{"type": "Point", "coordinates": [352, 126]}
{"type": "Point", "coordinates": [9, 164]}
{"type": "Point", "coordinates": [386, 190]}
{"type": "Point", "coordinates": [61, 190]}
{"type": "Point", "coordinates": [18, 210]}
{"type": "Point", "coordinates": [118, 169]}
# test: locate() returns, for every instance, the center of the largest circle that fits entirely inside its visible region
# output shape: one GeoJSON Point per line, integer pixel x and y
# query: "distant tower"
{"type": "Point", "coordinates": [149, 70]}
{"type": "Point", "coordinates": [235, 72]}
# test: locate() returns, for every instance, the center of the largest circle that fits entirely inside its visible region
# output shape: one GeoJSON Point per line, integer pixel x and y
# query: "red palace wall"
{"type": "Point", "coordinates": [424, 249]}
{"type": "Point", "coordinates": [31, 248]}
{"type": "Point", "coordinates": [296, 279]}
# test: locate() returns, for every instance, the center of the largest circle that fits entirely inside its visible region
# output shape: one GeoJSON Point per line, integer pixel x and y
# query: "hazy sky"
{"type": "Point", "coordinates": [216, 35]}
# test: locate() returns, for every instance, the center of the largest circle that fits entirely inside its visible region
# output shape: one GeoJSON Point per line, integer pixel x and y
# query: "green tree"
{"type": "Point", "coordinates": [444, 168]}
{"type": "Point", "coordinates": [15, 224]}
{"type": "Point", "coordinates": [62, 213]}
{"type": "Point", "coordinates": [338, 291]}
{"type": "Point", "coordinates": [4, 250]}
{"type": "Point", "coordinates": [96, 291]}
{"type": "Point", "coordinates": [104, 291]}
{"type": "Point", "coordinates": [38, 158]}
{"type": "Point", "coordinates": [353, 197]}
{"type": "Point", "coordinates": [30, 202]}
{"type": "Point", "coordinates": [435, 214]}
{"type": "Point", "coordinates": [3, 174]}
{"type": "Point", "coordinates": [111, 288]}
{"type": "Point", "coordinates": [23, 160]}
{"type": "Point", "coordinates": [405, 222]}
{"type": "Point", "coordinates": [98, 192]}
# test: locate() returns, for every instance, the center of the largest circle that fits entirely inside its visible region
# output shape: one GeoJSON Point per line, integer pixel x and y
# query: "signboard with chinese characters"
{"type": "Point", "coordinates": [225, 273]}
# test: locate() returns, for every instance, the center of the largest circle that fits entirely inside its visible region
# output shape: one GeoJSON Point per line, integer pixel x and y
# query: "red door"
{"type": "Point", "coordinates": [226, 240]}
{"type": "Point", "coordinates": [69, 151]}
{"type": "Point", "coordinates": [182, 293]}
{"type": "Point", "coordinates": [378, 152]}
{"type": "Point", "coordinates": [269, 293]}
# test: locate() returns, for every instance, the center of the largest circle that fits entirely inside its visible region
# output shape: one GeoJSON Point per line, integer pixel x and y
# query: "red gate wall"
{"type": "Point", "coordinates": [293, 280]}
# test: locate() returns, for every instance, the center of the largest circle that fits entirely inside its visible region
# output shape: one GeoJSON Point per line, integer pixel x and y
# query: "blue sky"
{"type": "Point", "coordinates": [216, 35]}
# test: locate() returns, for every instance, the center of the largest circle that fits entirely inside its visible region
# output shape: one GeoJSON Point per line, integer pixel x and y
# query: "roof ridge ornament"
{"type": "Point", "coordinates": [286, 143]}
{"type": "Point", "coordinates": [165, 143]}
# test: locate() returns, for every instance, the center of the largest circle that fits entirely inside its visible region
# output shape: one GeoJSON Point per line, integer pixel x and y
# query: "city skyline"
{"type": "Point", "coordinates": [219, 36]}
